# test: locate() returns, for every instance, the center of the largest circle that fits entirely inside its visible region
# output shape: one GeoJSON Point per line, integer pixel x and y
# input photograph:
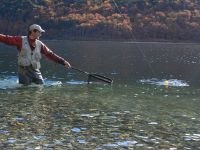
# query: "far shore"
{"type": "Point", "coordinates": [128, 40]}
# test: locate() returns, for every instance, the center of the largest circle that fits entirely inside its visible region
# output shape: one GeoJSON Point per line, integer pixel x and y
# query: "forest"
{"type": "Point", "coordinates": [174, 20]}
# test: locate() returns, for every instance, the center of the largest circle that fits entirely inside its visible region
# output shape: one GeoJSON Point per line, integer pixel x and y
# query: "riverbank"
{"type": "Point", "coordinates": [126, 40]}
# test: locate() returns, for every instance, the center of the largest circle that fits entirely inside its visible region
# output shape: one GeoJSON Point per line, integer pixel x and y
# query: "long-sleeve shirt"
{"type": "Point", "coordinates": [17, 41]}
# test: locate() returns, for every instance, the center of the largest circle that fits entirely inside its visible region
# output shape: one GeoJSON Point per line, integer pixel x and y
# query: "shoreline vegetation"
{"type": "Point", "coordinates": [143, 20]}
{"type": "Point", "coordinates": [127, 41]}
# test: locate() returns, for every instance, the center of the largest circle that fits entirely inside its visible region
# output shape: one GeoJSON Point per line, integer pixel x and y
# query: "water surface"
{"type": "Point", "coordinates": [153, 103]}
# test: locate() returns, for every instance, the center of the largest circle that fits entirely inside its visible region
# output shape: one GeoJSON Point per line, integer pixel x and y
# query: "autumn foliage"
{"type": "Point", "coordinates": [104, 19]}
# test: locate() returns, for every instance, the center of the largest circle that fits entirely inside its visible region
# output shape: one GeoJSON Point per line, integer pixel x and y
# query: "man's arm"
{"type": "Point", "coordinates": [52, 56]}
{"type": "Point", "coordinates": [11, 40]}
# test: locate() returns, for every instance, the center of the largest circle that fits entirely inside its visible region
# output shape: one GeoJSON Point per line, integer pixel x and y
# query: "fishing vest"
{"type": "Point", "coordinates": [28, 57]}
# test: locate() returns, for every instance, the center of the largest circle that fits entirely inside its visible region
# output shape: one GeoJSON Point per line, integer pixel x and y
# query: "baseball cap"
{"type": "Point", "coordinates": [37, 27]}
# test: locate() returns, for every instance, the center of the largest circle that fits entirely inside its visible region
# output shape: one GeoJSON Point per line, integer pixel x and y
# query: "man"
{"type": "Point", "coordinates": [30, 51]}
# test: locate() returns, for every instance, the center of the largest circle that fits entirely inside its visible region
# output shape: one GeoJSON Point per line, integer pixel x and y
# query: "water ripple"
{"type": "Point", "coordinates": [73, 82]}
{"type": "Point", "coordinates": [192, 137]}
{"type": "Point", "coordinates": [76, 130]}
{"type": "Point", "coordinates": [121, 144]}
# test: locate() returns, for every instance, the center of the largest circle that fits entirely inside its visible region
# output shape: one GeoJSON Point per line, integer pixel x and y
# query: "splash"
{"type": "Point", "coordinates": [9, 82]}
{"type": "Point", "coordinates": [164, 82]}
{"type": "Point", "coordinates": [52, 83]}
{"type": "Point", "coordinates": [74, 82]}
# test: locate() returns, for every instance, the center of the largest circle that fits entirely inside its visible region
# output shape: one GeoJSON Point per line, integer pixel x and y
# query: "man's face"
{"type": "Point", "coordinates": [36, 34]}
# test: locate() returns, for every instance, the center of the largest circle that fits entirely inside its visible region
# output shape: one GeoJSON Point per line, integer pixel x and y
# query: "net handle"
{"type": "Point", "coordinates": [96, 76]}
{"type": "Point", "coordinates": [74, 68]}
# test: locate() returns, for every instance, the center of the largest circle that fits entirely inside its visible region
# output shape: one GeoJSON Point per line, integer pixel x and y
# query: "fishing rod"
{"type": "Point", "coordinates": [134, 40]}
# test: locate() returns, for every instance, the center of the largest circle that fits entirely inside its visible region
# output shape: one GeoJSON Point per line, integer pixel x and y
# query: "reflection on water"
{"type": "Point", "coordinates": [136, 112]}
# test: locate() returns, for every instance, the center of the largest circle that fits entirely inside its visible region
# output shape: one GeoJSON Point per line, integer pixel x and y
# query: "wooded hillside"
{"type": "Point", "coordinates": [104, 19]}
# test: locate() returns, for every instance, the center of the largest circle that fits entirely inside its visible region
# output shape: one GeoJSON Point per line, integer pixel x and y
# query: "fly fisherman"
{"type": "Point", "coordinates": [30, 51]}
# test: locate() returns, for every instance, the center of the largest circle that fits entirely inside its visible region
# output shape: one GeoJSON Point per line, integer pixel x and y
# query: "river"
{"type": "Point", "coordinates": [152, 104]}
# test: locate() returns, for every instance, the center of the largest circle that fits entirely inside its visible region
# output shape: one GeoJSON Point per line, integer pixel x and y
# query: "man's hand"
{"type": "Point", "coordinates": [67, 65]}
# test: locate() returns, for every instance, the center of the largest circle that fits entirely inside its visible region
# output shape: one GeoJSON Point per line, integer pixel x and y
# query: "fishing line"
{"type": "Point", "coordinates": [134, 40]}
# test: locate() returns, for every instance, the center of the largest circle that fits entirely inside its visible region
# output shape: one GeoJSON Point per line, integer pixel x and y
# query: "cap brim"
{"type": "Point", "coordinates": [42, 30]}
